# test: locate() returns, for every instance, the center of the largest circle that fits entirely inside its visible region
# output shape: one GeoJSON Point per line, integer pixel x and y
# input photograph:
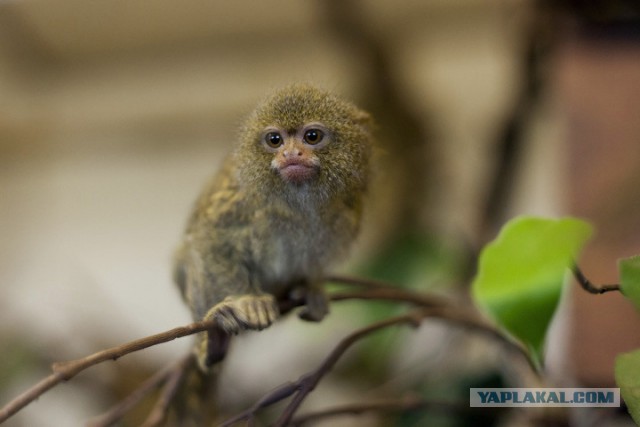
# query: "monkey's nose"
{"type": "Point", "coordinates": [292, 153]}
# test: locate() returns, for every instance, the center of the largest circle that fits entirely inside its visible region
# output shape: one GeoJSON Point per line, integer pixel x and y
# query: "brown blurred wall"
{"type": "Point", "coordinates": [599, 83]}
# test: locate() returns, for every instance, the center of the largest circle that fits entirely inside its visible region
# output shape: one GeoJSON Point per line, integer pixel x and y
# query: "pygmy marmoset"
{"type": "Point", "coordinates": [285, 204]}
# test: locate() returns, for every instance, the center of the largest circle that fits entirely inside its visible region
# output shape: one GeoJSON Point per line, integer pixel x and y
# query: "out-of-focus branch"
{"type": "Point", "coordinates": [30, 395]}
{"type": "Point", "coordinates": [406, 403]}
{"type": "Point", "coordinates": [432, 306]}
{"type": "Point", "coordinates": [176, 376]}
{"type": "Point", "coordinates": [383, 291]}
{"type": "Point", "coordinates": [301, 388]}
{"type": "Point", "coordinates": [410, 169]}
{"type": "Point", "coordinates": [447, 310]}
{"type": "Point", "coordinates": [173, 370]}
{"type": "Point", "coordinates": [64, 371]}
{"type": "Point", "coordinates": [540, 40]}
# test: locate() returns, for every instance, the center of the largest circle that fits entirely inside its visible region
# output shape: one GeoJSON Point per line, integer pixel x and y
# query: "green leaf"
{"type": "Point", "coordinates": [628, 379]}
{"type": "Point", "coordinates": [521, 273]}
{"type": "Point", "coordinates": [629, 269]}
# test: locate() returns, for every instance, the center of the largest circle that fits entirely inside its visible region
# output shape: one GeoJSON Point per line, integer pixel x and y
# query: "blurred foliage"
{"type": "Point", "coordinates": [628, 379]}
{"type": "Point", "coordinates": [413, 261]}
{"type": "Point", "coordinates": [630, 279]}
{"type": "Point", "coordinates": [627, 366]}
{"type": "Point", "coordinates": [19, 357]}
{"type": "Point", "coordinates": [522, 272]}
{"type": "Point", "coordinates": [456, 389]}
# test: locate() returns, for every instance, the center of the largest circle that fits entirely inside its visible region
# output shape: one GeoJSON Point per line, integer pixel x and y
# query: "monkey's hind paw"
{"type": "Point", "coordinates": [238, 313]}
{"type": "Point", "coordinates": [316, 305]}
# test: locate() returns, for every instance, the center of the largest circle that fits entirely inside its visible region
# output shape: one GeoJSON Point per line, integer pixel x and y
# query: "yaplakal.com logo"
{"type": "Point", "coordinates": [565, 397]}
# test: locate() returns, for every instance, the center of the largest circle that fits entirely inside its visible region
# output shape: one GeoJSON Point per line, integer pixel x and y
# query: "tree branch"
{"type": "Point", "coordinates": [359, 281]}
{"type": "Point", "coordinates": [590, 287]}
{"type": "Point", "coordinates": [392, 295]}
{"type": "Point", "coordinates": [437, 307]}
{"type": "Point", "coordinates": [406, 403]}
{"type": "Point", "coordinates": [163, 375]}
{"type": "Point", "coordinates": [30, 395]}
{"type": "Point", "coordinates": [64, 371]}
{"type": "Point", "coordinates": [462, 316]}
{"type": "Point", "coordinates": [306, 383]}
{"type": "Point", "coordinates": [159, 412]}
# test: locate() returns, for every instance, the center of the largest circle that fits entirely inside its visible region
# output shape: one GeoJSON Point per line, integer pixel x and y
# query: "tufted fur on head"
{"type": "Point", "coordinates": [342, 163]}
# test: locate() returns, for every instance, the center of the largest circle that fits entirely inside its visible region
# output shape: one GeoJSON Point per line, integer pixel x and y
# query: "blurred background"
{"type": "Point", "coordinates": [114, 113]}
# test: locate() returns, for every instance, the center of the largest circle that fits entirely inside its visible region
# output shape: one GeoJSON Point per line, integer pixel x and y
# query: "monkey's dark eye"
{"type": "Point", "coordinates": [313, 136]}
{"type": "Point", "coordinates": [273, 139]}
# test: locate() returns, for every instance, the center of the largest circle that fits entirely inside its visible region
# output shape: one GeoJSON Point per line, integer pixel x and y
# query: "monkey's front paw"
{"type": "Point", "coordinates": [238, 313]}
{"type": "Point", "coordinates": [316, 305]}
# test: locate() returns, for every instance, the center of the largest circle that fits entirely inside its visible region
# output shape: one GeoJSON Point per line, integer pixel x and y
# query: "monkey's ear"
{"type": "Point", "coordinates": [362, 118]}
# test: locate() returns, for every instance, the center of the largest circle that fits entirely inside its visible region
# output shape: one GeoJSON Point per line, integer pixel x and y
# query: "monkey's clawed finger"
{"type": "Point", "coordinates": [227, 320]}
{"type": "Point", "coordinates": [264, 312]}
{"type": "Point", "coordinates": [261, 318]}
{"type": "Point", "coordinates": [245, 312]}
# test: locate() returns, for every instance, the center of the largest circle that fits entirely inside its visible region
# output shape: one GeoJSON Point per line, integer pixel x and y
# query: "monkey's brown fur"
{"type": "Point", "coordinates": [276, 216]}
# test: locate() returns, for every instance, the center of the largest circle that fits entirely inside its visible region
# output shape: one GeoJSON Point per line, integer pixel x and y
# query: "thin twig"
{"type": "Point", "coordinates": [150, 384]}
{"type": "Point", "coordinates": [274, 396]}
{"type": "Point", "coordinates": [359, 281]}
{"type": "Point", "coordinates": [432, 308]}
{"type": "Point", "coordinates": [30, 395]}
{"type": "Point", "coordinates": [159, 412]}
{"type": "Point", "coordinates": [406, 403]}
{"type": "Point", "coordinates": [309, 382]}
{"type": "Point", "coordinates": [462, 316]}
{"type": "Point", "coordinates": [306, 383]}
{"type": "Point", "coordinates": [590, 287]}
{"type": "Point", "coordinates": [393, 295]}
{"type": "Point", "coordinates": [71, 368]}
{"type": "Point", "coordinates": [64, 371]}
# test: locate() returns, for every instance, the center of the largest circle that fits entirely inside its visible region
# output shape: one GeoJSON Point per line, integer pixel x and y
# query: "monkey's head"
{"type": "Point", "coordinates": [305, 140]}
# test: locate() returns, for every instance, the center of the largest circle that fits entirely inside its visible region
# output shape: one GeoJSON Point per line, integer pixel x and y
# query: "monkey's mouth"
{"type": "Point", "coordinates": [297, 171]}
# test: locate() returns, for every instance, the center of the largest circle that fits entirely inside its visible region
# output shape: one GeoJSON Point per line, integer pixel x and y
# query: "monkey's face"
{"type": "Point", "coordinates": [295, 158]}
{"type": "Point", "coordinates": [304, 141]}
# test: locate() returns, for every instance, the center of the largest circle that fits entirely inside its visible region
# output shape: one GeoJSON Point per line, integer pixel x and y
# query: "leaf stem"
{"type": "Point", "coordinates": [589, 286]}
